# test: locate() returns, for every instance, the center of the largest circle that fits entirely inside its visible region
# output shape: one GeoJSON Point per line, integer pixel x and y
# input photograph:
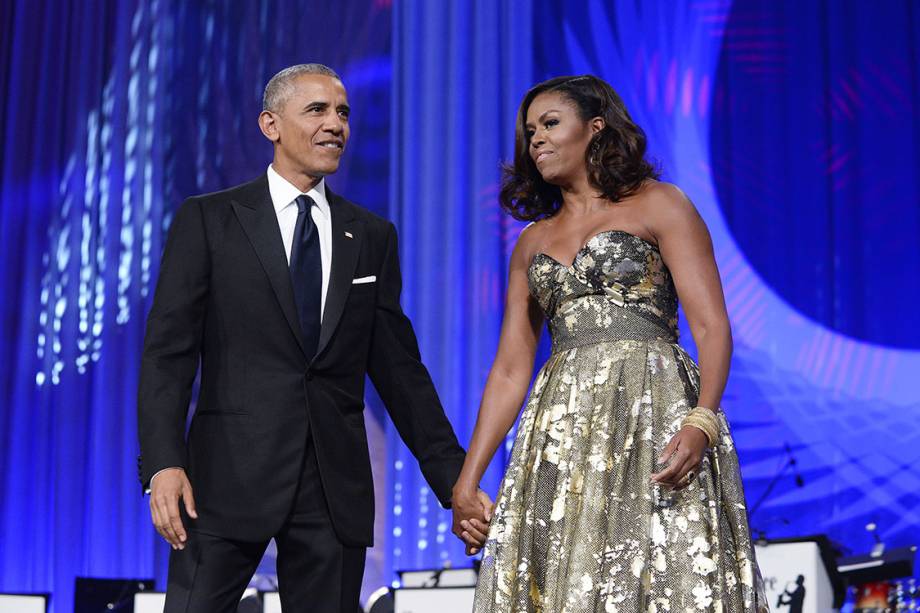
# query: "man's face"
{"type": "Point", "coordinates": [311, 128]}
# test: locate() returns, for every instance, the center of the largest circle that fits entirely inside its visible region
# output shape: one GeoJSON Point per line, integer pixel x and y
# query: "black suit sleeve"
{"type": "Point", "coordinates": [404, 385]}
{"type": "Point", "coordinates": [172, 344]}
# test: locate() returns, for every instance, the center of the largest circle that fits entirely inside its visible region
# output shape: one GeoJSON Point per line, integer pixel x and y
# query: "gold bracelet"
{"type": "Point", "coordinates": [707, 418]}
{"type": "Point", "coordinates": [703, 419]}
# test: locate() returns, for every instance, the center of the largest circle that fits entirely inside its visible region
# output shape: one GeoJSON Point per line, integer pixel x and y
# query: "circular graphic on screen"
{"type": "Point", "coordinates": [813, 142]}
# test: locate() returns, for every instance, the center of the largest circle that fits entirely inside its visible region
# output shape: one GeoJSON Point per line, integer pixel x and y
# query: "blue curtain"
{"type": "Point", "coordinates": [460, 69]}
{"type": "Point", "coordinates": [112, 113]}
{"type": "Point", "coordinates": [814, 151]}
{"type": "Point", "coordinates": [837, 138]}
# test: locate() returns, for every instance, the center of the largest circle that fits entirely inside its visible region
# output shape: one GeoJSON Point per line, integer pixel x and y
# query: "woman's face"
{"type": "Point", "coordinates": [557, 138]}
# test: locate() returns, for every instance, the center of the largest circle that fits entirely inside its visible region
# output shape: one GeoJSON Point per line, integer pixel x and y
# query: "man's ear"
{"type": "Point", "coordinates": [268, 123]}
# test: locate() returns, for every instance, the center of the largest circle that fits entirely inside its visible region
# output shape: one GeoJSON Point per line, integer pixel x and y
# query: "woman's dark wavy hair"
{"type": "Point", "coordinates": [615, 157]}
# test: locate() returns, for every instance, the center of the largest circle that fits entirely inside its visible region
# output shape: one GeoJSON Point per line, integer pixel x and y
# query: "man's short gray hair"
{"type": "Point", "coordinates": [280, 86]}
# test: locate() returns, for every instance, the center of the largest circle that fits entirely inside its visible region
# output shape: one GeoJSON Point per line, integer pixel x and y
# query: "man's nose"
{"type": "Point", "coordinates": [334, 124]}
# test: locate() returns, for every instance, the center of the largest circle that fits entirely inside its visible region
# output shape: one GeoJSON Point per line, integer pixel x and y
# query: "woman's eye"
{"type": "Point", "coordinates": [551, 122]}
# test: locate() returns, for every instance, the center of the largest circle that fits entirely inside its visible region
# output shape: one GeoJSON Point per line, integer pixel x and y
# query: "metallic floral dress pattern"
{"type": "Point", "coordinates": [577, 526]}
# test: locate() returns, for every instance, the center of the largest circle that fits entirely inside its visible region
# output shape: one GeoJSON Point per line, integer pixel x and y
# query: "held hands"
{"type": "Point", "coordinates": [682, 457]}
{"type": "Point", "coordinates": [167, 487]}
{"type": "Point", "coordinates": [472, 509]}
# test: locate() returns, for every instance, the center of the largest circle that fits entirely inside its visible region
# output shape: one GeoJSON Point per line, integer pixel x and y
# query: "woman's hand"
{"type": "Point", "coordinates": [472, 509]}
{"type": "Point", "coordinates": [682, 455]}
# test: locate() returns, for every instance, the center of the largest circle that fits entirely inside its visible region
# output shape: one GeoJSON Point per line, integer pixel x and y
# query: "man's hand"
{"type": "Point", "coordinates": [166, 488]}
{"type": "Point", "coordinates": [472, 509]}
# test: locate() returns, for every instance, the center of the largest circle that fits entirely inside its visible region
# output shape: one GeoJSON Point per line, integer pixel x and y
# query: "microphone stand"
{"type": "Point", "coordinates": [799, 482]}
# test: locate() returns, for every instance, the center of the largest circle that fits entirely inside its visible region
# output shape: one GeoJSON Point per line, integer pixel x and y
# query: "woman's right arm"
{"type": "Point", "coordinates": [509, 376]}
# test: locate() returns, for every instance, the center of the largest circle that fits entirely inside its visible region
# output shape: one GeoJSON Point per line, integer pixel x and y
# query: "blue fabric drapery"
{"type": "Point", "coordinates": [460, 69]}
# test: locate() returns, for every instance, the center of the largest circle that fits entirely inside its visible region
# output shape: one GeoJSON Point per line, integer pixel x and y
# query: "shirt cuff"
{"type": "Point", "coordinates": [147, 491]}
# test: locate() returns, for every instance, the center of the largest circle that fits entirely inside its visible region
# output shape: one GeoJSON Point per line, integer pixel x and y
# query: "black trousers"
{"type": "Point", "coordinates": [316, 573]}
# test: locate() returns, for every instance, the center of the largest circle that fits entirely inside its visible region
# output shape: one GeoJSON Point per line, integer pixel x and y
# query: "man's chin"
{"type": "Point", "coordinates": [324, 170]}
{"type": "Point", "coordinates": [320, 173]}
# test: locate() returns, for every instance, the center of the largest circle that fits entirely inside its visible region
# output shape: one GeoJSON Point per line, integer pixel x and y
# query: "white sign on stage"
{"type": "Point", "coordinates": [149, 602]}
{"type": "Point", "coordinates": [153, 602]}
{"type": "Point", "coordinates": [440, 599]}
{"type": "Point", "coordinates": [16, 603]}
{"type": "Point", "coordinates": [271, 602]}
{"type": "Point", "coordinates": [794, 576]}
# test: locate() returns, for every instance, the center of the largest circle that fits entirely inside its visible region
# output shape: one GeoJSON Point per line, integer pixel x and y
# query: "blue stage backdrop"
{"type": "Point", "coordinates": [112, 113]}
{"type": "Point", "coordinates": [793, 127]}
{"type": "Point", "coordinates": [459, 71]}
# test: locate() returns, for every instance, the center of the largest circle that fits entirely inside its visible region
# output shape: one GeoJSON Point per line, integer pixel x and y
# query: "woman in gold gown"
{"type": "Point", "coordinates": [623, 492]}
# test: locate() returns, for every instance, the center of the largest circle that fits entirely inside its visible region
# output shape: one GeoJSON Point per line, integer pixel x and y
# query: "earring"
{"type": "Point", "coordinates": [595, 147]}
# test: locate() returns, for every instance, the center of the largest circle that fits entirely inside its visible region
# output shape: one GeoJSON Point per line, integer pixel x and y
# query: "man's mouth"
{"type": "Point", "coordinates": [332, 144]}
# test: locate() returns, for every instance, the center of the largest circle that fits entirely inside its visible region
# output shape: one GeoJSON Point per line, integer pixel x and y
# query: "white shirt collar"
{"type": "Point", "coordinates": [283, 192]}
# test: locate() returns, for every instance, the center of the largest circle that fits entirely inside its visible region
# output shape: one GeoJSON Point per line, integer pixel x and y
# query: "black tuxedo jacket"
{"type": "Point", "coordinates": [224, 298]}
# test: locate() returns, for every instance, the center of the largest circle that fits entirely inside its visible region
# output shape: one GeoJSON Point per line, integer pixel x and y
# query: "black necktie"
{"type": "Point", "coordinates": [307, 273]}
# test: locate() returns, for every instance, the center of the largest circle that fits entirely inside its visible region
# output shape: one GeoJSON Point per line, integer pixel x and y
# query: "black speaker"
{"type": "Point", "coordinates": [106, 595]}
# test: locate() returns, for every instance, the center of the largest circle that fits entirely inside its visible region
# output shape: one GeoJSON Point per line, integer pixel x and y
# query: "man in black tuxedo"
{"type": "Point", "coordinates": [288, 295]}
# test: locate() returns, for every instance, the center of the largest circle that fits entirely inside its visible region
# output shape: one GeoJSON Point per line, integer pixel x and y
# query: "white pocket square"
{"type": "Point", "coordinates": [370, 279]}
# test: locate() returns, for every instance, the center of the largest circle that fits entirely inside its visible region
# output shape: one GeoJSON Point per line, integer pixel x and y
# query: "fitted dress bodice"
{"type": "Point", "coordinates": [618, 287]}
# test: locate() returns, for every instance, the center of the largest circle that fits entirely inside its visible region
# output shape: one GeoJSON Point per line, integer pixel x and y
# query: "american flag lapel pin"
{"type": "Point", "coordinates": [349, 235]}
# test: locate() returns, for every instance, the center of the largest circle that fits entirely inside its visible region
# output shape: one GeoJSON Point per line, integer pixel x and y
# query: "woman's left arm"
{"type": "Point", "coordinates": [686, 248]}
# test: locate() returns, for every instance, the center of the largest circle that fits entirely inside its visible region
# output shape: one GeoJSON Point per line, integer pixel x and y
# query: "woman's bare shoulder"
{"type": "Point", "coordinates": [663, 203]}
{"type": "Point", "coordinates": [662, 195]}
{"type": "Point", "coordinates": [530, 238]}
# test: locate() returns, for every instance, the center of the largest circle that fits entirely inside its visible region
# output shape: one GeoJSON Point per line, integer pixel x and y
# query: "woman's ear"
{"type": "Point", "coordinates": [597, 124]}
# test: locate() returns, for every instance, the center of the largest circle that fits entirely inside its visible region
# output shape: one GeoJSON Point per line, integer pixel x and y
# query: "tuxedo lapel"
{"type": "Point", "coordinates": [347, 238]}
{"type": "Point", "coordinates": [257, 216]}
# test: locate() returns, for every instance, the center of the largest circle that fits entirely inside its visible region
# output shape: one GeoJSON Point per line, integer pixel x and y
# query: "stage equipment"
{"type": "Point", "coordinates": [23, 603]}
{"type": "Point", "coordinates": [253, 601]}
{"type": "Point", "coordinates": [904, 595]}
{"type": "Point", "coordinates": [887, 597]}
{"type": "Point", "coordinates": [871, 575]}
{"type": "Point", "coordinates": [440, 599]}
{"type": "Point", "coordinates": [790, 463]}
{"type": "Point", "coordinates": [149, 602]}
{"type": "Point", "coordinates": [381, 601]}
{"type": "Point", "coordinates": [445, 590]}
{"type": "Point", "coordinates": [869, 568]}
{"type": "Point", "coordinates": [802, 569]}
{"type": "Point", "coordinates": [103, 595]}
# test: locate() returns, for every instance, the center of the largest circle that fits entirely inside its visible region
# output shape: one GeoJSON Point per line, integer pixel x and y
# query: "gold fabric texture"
{"type": "Point", "coordinates": [578, 527]}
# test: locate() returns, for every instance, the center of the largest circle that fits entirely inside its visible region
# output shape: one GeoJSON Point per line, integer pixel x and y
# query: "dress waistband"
{"type": "Point", "coordinates": [620, 324]}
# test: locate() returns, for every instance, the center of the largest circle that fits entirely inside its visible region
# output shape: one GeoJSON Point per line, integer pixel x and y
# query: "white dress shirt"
{"type": "Point", "coordinates": [283, 194]}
